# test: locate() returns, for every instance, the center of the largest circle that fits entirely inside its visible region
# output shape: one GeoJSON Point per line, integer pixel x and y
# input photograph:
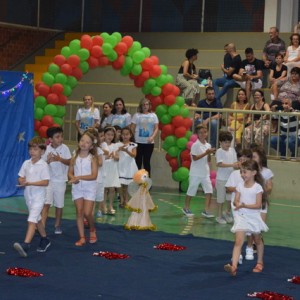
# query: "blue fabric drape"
{"type": "Point", "coordinates": [16, 127]}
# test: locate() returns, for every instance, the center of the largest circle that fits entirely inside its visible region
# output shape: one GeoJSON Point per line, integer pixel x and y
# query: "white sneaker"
{"type": "Point", "coordinates": [241, 259]}
{"type": "Point", "coordinates": [207, 214]}
{"type": "Point", "coordinates": [221, 220]}
{"type": "Point", "coordinates": [187, 212]}
{"type": "Point", "coordinates": [227, 216]}
{"type": "Point", "coordinates": [249, 253]}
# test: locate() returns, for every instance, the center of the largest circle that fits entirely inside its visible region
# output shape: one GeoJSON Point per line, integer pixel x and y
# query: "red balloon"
{"type": "Point", "coordinates": [180, 132]}
{"type": "Point", "coordinates": [154, 59]}
{"type": "Point", "coordinates": [144, 75]}
{"type": "Point", "coordinates": [147, 64]}
{"type": "Point", "coordinates": [131, 76]}
{"type": "Point", "coordinates": [177, 121]}
{"type": "Point", "coordinates": [97, 40]}
{"type": "Point", "coordinates": [128, 40]}
{"type": "Point", "coordinates": [185, 155]}
{"type": "Point", "coordinates": [156, 100]}
{"type": "Point", "coordinates": [168, 129]}
{"type": "Point", "coordinates": [62, 99]}
{"type": "Point", "coordinates": [57, 88]}
{"type": "Point", "coordinates": [121, 48]}
{"type": "Point", "coordinates": [173, 163]}
{"type": "Point", "coordinates": [52, 98]}
{"type": "Point", "coordinates": [96, 51]}
{"type": "Point", "coordinates": [43, 89]}
{"type": "Point", "coordinates": [86, 42]}
{"type": "Point", "coordinates": [43, 131]}
{"type": "Point", "coordinates": [103, 61]}
{"type": "Point", "coordinates": [176, 91]}
{"type": "Point", "coordinates": [77, 73]}
{"type": "Point", "coordinates": [36, 94]}
{"type": "Point", "coordinates": [169, 100]}
{"type": "Point", "coordinates": [155, 71]}
{"type": "Point", "coordinates": [66, 69]}
{"type": "Point", "coordinates": [187, 123]}
{"type": "Point", "coordinates": [59, 60]}
{"type": "Point", "coordinates": [93, 62]}
{"type": "Point", "coordinates": [37, 85]}
{"type": "Point", "coordinates": [186, 164]}
{"type": "Point", "coordinates": [168, 157]}
{"type": "Point", "coordinates": [138, 82]}
{"type": "Point", "coordinates": [73, 60]}
{"type": "Point", "coordinates": [163, 136]}
{"type": "Point", "coordinates": [167, 89]}
{"type": "Point", "coordinates": [47, 121]}
{"type": "Point", "coordinates": [37, 125]}
{"type": "Point", "coordinates": [119, 62]}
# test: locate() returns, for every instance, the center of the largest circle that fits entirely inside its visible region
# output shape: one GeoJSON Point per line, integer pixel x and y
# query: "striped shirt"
{"type": "Point", "coordinates": [289, 125]}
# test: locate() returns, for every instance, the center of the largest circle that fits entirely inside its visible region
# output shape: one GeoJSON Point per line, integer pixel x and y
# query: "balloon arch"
{"type": "Point", "coordinates": [130, 59]}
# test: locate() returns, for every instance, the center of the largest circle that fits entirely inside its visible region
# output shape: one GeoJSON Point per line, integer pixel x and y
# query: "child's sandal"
{"type": "Point", "coordinates": [230, 269]}
{"type": "Point", "coordinates": [258, 268]}
{"type": "Point", "coordinates": [80, 242]}
{"type": "Point", "coordinates": [93, 236]}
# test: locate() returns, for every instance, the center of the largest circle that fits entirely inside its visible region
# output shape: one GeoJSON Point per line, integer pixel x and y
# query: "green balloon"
{"type": "Point", "coordinates": [75, 46]}
{"type": "Point", "coordinates": [50, 109]}
{"type": "Point", "coordinates": [169, 78]}
{"type": "Point", "coordinates": [72, 81]}
{"type": "Point", "coordinates": [61, 78]}
{"type": "Point", "coordinates": [58, 121]}
{"type": "Point", "coordinates": [174, 110]}
{"type": "Point", "coordinates": [104, 35]}
{"type": "Point", "coordinates": [48, 78]}
{"type": "Point", "coordinates": [112, 40]}
{"type": "Point", "coordinates": [38, 113]}
{"type": "Point", "coordinates": [184, 185]}
{"type": "Point", "coordinates": [84, 66]}
{"type": "Point", "coordinates": [180, 101]}
{"type": "Point", "coordinates": [138, 56]}
{"type": "Point", "coordinates": [146, 90]}
{"type": "Point", "coordinates": [161, 80]}
{"type": "Point", "coordinates": [164, 69]}
{"type": "Point", "coordinates": [40, 102]}
{"type": "Point", "coordinates": [161, 110]}
{"type": "Point", "coordinates": [107, 48]}
{"type": "Point", "coordinates": [175, 176]}
{"type": "Point", "coordinates": [83, 54]}
{"type": "Point", "coordinates": [181, 143]}
{"type": "Point", "coordinates": [134, 47]}
{"type": "Point", "coordinates": [53, 69]}
{"type": "Point", "coordinates": [166, 119]}
{"type": "Point", "coordinates": [65, 51]}
{"type": "Point", "coordinates": [173, 152]}
{"type": "Point", "coordinates": [61, 111]}
{"type": "Point", "coordinates": [156, 91]}
{"type": "Point", "coordinates": [150, 83]}
{"type": "Point", "coordinates": [112, 56]}
{"type": "Point", "coordinates": [183, 173]}
{"type": "Point", "coordinates": [188, 134]}
{"type": "Point", "coordinates": [170, 141]}
{"type": "Point", "coordinates": [118, 36]}
{"type": "Point", "coordinates": [128, 64]}
{"type": "Point", "coordinates": [67, 90]}
{"type": "Point", "coordinates": [136, 69]}
{"type": "Point", "coordinates": [146, 51]}
{"type": "Point", "coordinates": [124, 72]}
{"type": "Point", "coordinates": [184, 112]}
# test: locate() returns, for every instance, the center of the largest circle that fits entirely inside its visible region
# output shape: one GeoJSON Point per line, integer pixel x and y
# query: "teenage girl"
{"type": "Point", "coordinates": [127, 164]}
{"type": "Point", "coordinates": [83, 171]}
{"type": "Point", "coordinates": [249, 199]}
{"type": "Point", "coordinates": [110, 168]}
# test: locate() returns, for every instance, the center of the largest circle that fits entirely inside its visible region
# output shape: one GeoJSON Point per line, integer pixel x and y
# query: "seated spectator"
{"type": "Point", "coordinates": [210, 119]}
{"type": "Point", "coordinates": [106, 112]}
{"type": "Point", "coordinates": [250, 73]}
{"type": "Point", "coordinates": [236, 121]}
{"type": "Point", "coordinates": [257, 125]}
{"type": "Point", "coordinates": [289, 131]}
{"type": "Point", "coordinates": [292, 56]}
{"type": "Point", "coordinates": [119, 115]}
{"type": "Point", "coordinates": [278, 74]}
{"type": "Point", "coordinates": [290, 89]}
{"type": "Point", "coordinates": [187, 77]}
{"type": "Point", "coordinates": [227, 81]}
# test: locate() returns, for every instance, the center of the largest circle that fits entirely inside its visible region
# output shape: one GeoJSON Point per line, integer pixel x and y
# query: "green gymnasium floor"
{"type": "Point", "coordinates": [283, 217]}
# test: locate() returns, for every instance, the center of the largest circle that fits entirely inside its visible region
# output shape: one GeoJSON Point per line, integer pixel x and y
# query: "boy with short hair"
{"type": "Point", "coordinates": [58, 157]}
{"type": "Point", "coordinates": [199, 172]}
{"type": "Point", "coordinates": [34, 176]}
{"type": "Point", "coordinates": [226, 161]}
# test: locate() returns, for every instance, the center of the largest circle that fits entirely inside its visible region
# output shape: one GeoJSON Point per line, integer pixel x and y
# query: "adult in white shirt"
{"type": "Point", "coordinates": [119, 115]}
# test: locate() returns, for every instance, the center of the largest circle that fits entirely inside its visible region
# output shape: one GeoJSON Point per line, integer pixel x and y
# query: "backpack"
{"type": "Point", "coordinates": [204, 74]}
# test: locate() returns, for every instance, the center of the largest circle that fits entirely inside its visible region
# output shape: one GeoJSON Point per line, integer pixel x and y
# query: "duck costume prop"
{"type": "Point", "coordinates": [141, 203]}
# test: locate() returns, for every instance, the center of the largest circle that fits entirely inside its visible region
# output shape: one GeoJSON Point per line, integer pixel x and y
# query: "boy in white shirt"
{"type": "Point", "coordinates": [226, 161]}
{"type": "Point", "coordinates": [199, 172]}
{"type": "Point", "coordinates": [58, 157]}
{"type": "Point", "coordinates": [34, 176]}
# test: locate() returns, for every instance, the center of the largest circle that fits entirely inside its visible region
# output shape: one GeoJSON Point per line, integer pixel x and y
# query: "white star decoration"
{"type": "Point", "coordinates": [12, 99]}
{"type": "Point", "coordinates": [21, 137]}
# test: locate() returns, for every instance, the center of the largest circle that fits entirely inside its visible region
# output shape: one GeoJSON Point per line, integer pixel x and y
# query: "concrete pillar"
{"type": "Point", "coordinates": [271, 13]}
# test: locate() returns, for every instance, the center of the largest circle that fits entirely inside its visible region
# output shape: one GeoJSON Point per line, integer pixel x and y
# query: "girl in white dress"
{"type": "Point", "coordinates": [127, 164]}
{"type": "Point", "coordinates": [110, 168]}
{"type": "Point", "coordinates": [83, 171]}
{"type": "Point", "coordinates": [249, 199]}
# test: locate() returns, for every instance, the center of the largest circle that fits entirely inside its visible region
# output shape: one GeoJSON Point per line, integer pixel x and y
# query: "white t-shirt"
{"type": "Point", "coordinates": [100, 169]}
{"type": "Point", "coordinates": [226, 157]}
{"type": "Point", "coordinates": [199, 167]}
{"type": "Point", "coordinates": [234, 180]}
{"type": "Point", "coordinates": [120, 120]}
{"type": "Point", "coordinates": [58, 170]}
{"type": "Point", "coordinates": [145, 124]}
{"type": "Point", "coordinates": [266, 173]}
{"type": "Point", "coordinates": [293, 53]}
{"type": "Point", "coordinates": [87, 117]}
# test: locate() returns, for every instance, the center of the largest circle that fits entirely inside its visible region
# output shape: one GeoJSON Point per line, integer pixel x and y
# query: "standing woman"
{"type": "Point", "coordinates": [119, 115]}
{"type": "Point", "coordinates": [187, 77]}
{"type": "Point", "coordinates": [106, 112]}
{"type": "Point", "coordinates": [87, 116]}
{"type": "Point", "coordinates": [144, 125]}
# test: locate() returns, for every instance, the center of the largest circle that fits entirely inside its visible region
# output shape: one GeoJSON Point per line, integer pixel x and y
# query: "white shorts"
{"type": "Point", "coordinates": [100, 192]}
{"type": "Point", "coordinates": [194, 182]}
{"type": "Point", "coordinates": [56, 194]}
{"type": "Point", "coordinates": [254, 85]}
{"type": "Point", "coordinates": [221, 192]}
{"type": "Point", "coordinates": [35, 209]}
{"type": "Point", "coordinates": [85, 190]}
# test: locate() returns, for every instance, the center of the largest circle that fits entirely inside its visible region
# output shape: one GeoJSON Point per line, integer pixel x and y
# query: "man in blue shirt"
{"type": "Point", "coordinates": [208, 118]}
